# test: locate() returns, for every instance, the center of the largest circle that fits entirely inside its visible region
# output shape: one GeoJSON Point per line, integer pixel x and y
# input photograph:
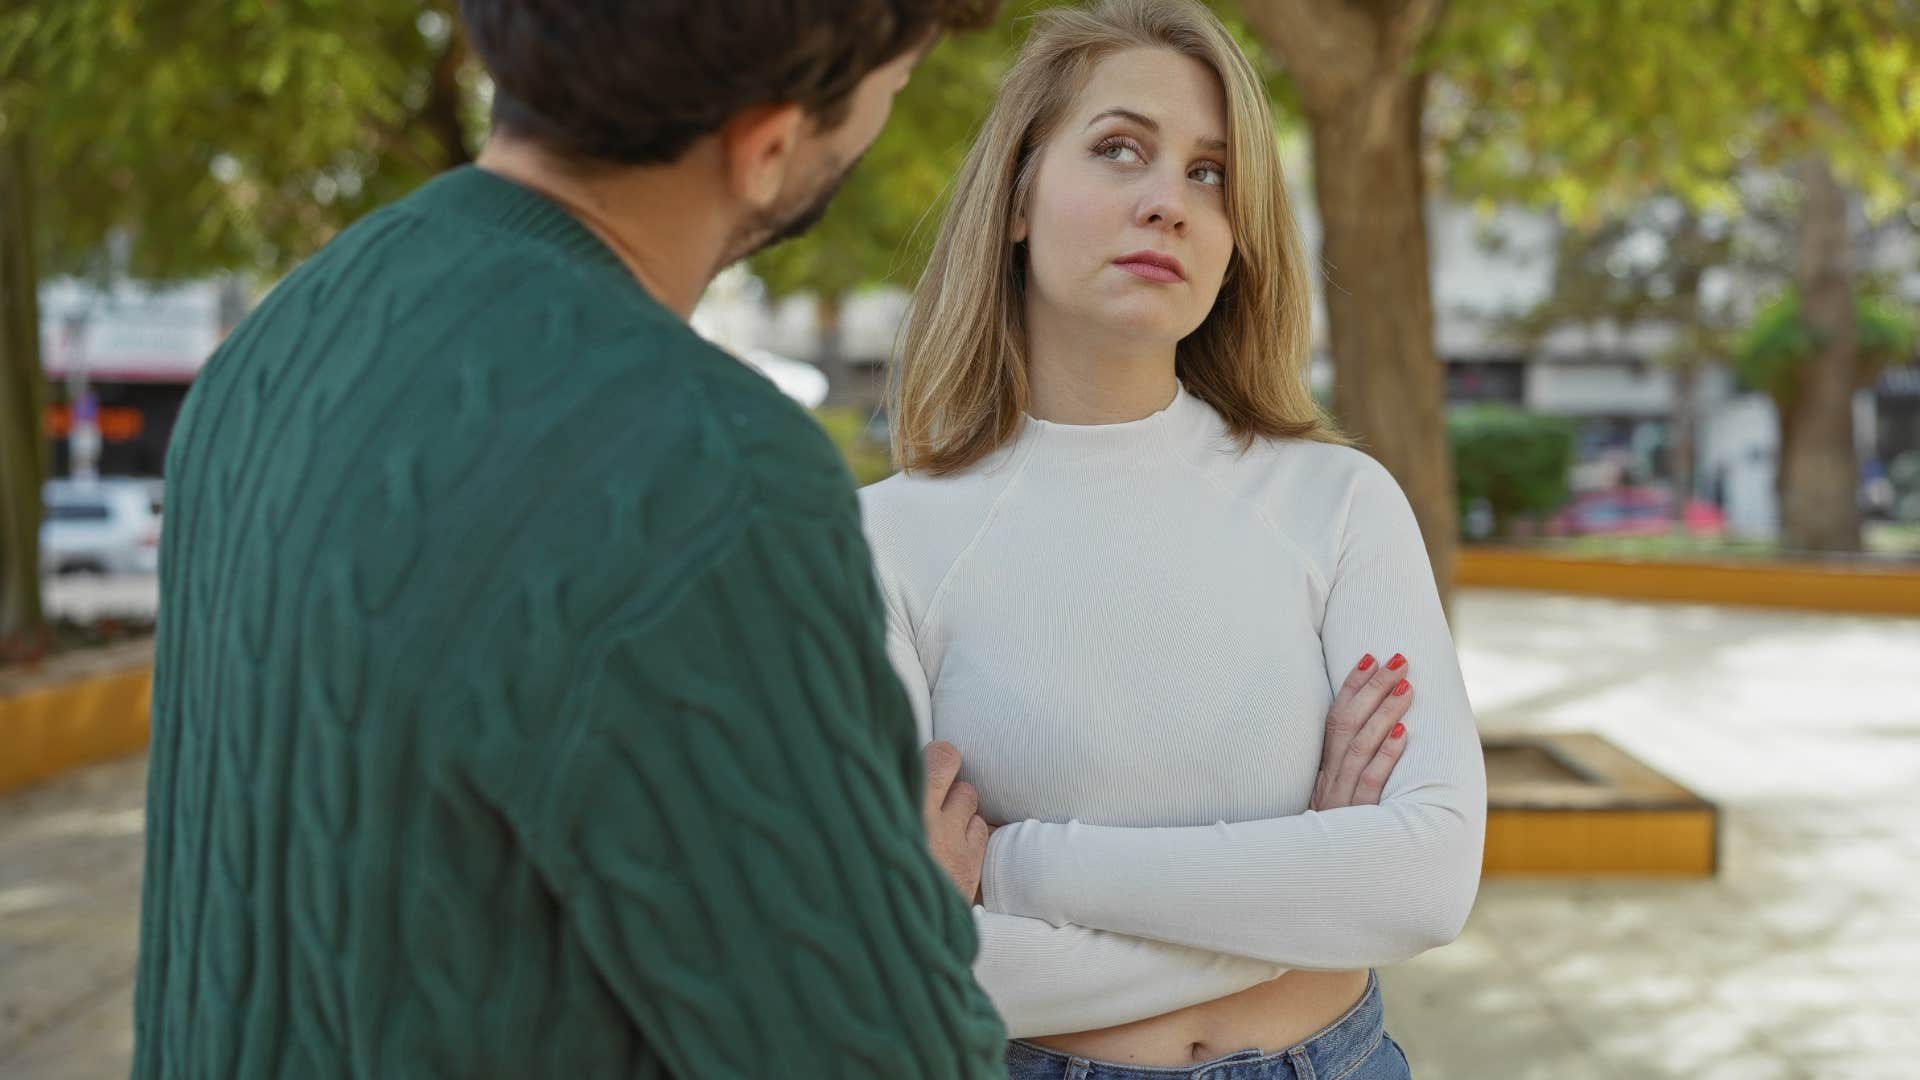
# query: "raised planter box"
{"type": "Point", "coordinates": [74, 710]}
{"type": "Point", "coordinates": [1849, 587]}
{"type": "Point", "coordinates": [1575, 804]}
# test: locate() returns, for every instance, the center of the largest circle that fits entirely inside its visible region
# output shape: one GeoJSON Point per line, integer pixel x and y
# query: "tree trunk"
{"type": "Point", "coordinates": [1686, 375]}
{"type": "Point", "coordinates": [23, 449]}
{"type": "Point", "coordinates": [1819, 510]}
{"type": "Point", "coordinates": [440, 115]}
{"type": "Point", "coordinates": [1355, 64]}
{"type": "Point", "coordinates": [1784, 418]}
{"type": "Point", "coordinates": [830, 353]}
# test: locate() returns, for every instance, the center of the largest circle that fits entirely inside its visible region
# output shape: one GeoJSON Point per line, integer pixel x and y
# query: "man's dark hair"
{"type": "Point", "coordinates": [636, 82]}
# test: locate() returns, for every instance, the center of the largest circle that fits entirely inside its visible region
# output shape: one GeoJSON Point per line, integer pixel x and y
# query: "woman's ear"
{"type": "Point", "coordinates": [1017, 232]}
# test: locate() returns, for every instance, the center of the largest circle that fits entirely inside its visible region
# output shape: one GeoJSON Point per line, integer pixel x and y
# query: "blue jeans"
{"type": "Point", "coordinates": [1354, 1047]}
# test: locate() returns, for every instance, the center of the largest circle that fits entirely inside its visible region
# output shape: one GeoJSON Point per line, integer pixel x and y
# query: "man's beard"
{"type": "Point", "coordinates": [778, 224]}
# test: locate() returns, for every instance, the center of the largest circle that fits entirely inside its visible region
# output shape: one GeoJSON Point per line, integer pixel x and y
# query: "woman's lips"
{"type": "Point", "coordinates": [1152, 266]}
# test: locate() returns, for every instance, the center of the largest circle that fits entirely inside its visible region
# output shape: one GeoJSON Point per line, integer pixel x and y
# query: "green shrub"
{"type": "Point", "coordinates": [1516, 461]}
{"type": "Point", "coordinates": [868, 459]}
{"type": "Point", "coordinates": [1778, 341]}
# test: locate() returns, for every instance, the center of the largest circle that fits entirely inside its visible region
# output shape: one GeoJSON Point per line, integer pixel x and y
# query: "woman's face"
{"type": "Point", "coordinates": [1126, 222]}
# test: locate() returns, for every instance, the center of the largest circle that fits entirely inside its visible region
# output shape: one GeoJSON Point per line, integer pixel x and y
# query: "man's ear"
{"type": "Point", "coordinates": [758, 145]}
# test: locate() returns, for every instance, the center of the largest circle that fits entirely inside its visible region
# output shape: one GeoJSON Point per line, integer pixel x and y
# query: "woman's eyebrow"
{"type": "Point", "coordinates": [1145, 121]}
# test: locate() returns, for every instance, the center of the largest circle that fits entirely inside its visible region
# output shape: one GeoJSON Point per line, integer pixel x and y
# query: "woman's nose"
{"type": "Point", "coordinates": [1164, 204]}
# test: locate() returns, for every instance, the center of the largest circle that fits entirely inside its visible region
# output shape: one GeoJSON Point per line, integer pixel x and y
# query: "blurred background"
{"type": "Point", "coordinates": [1624, 294]}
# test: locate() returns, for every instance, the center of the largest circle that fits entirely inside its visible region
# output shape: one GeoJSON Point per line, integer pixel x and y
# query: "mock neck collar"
{"type": "Point", "coordinates": [1146, 433]}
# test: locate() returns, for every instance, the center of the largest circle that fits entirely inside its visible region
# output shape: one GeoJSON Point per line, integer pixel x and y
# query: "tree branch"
{"type": "Point", "coordinates": [1348, 58]}
{"type": "Point", "coordinates": [1318, 42]}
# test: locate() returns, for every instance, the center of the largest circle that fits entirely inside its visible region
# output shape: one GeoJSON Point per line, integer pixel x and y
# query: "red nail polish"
{"type": "Point", "coordinates": [1401, 690]}
{"type": "Point", "coordinates": [1397, 662]}
{"type": "Point", "coordinates": [1366, 662]}
{"type": "Point", "coordinates": [1398, 731]}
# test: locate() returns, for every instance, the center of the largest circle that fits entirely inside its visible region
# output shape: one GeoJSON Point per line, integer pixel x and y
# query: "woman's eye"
{"type": "Point", "coordinates": [1117, 151]}
{"type": "Point", "coordinates": [1211, 175]}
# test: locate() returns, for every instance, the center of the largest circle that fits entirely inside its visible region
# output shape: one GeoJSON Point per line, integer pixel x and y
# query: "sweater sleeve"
{"type": "Point", "coordinates": [733, 836]}
{"type": "Point", "coordinates": [1050, 980]}
{"type": "Point", "coordinates": [1354, 887]}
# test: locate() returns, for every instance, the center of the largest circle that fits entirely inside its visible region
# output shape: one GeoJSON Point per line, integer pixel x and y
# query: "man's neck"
{"type": "Point", "coordinates": [662, 222]}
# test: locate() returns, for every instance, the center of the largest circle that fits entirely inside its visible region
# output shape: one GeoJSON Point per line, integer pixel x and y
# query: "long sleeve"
{"type": "Point", "coordinates": [759, 832]}
{"type": "Point", "coordinates": [1352, 887]}
{"type": "Point", "coordinates": [1049, 980]}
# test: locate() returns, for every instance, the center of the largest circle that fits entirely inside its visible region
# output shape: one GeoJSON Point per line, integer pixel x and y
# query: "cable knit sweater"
{"type": "Point", "coordinates": [522, 706]}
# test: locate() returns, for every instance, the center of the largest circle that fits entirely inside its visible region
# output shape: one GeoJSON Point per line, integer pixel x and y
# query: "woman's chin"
{"type": "Point", "coordinates": [1145, 322]}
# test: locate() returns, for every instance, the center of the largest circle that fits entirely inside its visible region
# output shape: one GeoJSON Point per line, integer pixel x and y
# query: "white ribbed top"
{"type": "Point", "coordinates": [1132, 632]}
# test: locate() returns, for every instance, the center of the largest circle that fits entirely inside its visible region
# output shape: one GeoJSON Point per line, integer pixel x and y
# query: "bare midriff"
{"type": "Point", "coordinates": [1272, 1016]}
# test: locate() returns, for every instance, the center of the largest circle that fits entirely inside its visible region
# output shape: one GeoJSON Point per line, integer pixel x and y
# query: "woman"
{"type": "Point", "coordinates": [1134, 578]}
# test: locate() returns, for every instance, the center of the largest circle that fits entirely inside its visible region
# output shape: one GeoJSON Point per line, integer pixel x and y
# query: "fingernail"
{"type": "Point", "coordinates": [1366, 662]}
{"type": "Point", "coordinates": [1397, 662]}
{"type": "Point", "coordinates": [1398, 730]}
{"type": "Point", "coordinates": [1402, 688]}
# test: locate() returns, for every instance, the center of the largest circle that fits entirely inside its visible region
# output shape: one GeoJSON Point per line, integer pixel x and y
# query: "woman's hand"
{"type": "Point", "coordinates": [956, 835]}
{"type": "Point", "coordinates": [1365, 735]}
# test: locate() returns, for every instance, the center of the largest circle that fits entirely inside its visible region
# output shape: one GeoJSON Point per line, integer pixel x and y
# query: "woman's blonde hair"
{"type": "Point", "coordinates": [961, 385]}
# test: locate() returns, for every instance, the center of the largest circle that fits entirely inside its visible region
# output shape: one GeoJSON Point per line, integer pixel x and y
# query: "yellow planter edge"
{"type": "Point", "coordinates": [47, 731]}
{"type": "Point", "coordinates": [1805, 586]}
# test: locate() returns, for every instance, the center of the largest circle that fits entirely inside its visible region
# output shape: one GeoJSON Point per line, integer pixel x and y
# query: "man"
{"type": "Point", "coordinates": [521, 706]}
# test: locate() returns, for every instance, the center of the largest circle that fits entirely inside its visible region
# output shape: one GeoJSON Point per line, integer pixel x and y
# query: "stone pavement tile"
{"type": "Point", "coordinates": [1743, 1065]}
{"type": "Point", "coordinates": [1853, 1030]}
{"type": "Point", "coordinates": [1547, 1059]}
{"type": "Point", "coordinates": [95, 1042]}
{"type": "Point", "coordinates": [107, 787]}
{"type": "Point", "coordinates": [1894, 987]}
{"type": "Point", "coordinates": [1533, 920]}
{"type": "Point", "coordinates": [45, 985]}
{"type": "Point", "coordinates": [83, 853]}
{"type": "Point", "coordinates": [1874, 942]}
{"type": "Point", "coordinates": [1894, 1066]}
{"type": "Point", "coordinates": [1806, 915]}
{"type": "Point", "coordinates": [1517, 1039]}
{"type": "Point", "coordinates": [1882, 870]}
{"type": "Point", "coordinates": [1679, 1042]}
{"type": "Point", "coordinates": [1712, 944]}
{"type": "Point", "coordinates": [1474, 954]}
{"type": "Point", "coordinates": [1488, 994]}
{"type": "Point", "coordinates": [70, 855]}
{"type": "Point", "coordinates": [1623, 981]}
{"type": "Point", "coordinates": [1464, 1012]}
{"type": "Point", "coordinates": [1789, 990]}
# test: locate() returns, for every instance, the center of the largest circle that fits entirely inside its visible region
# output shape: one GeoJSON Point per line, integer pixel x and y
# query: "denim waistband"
{"type": "Point", "coordinates": [1331, 1052]}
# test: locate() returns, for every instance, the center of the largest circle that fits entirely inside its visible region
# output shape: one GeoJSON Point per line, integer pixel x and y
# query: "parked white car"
{"type": "Point", "coordinates": [107, 526]}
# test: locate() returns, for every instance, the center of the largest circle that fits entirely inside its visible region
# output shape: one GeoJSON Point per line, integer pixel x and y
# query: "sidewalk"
{"type": "Point", "coordinates": [1800, 960]}
{"type": "Point", "coordinates": [70, 854]}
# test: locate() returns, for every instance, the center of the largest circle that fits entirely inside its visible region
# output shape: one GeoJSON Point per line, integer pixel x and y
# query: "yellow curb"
{"type": "Point", "coordinates": [1654, 843]}
{"type": "Point", "coordinates": [1802, 585]}
{"type": "Point", "coordinates": [58, 725]}
{"type": "Point", "coordinates": [1573, 803]}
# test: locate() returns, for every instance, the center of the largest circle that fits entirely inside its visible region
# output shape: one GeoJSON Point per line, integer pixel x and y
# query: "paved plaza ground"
{"type": "Point", "coordinates": [1802, 959]}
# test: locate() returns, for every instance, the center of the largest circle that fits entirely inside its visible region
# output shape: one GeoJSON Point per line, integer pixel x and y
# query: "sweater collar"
{"type": "Point", "coordinates": [475, 193]}
{"type": "Point", "coordinates": [1147, 433]}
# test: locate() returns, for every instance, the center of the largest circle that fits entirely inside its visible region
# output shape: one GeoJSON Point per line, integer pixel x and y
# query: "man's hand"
{"type": "Point", "coordinates": [956, 834]}
{"type": "Point", "coordinates": [1365, 736]}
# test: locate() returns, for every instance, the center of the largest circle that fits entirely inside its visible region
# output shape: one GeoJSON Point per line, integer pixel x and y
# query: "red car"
{"type": "Point", "coordinates": [1634, 511]}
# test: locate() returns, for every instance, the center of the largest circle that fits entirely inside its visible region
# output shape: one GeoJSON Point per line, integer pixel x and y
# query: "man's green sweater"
{"type": "Point", "coordinates": [522, 707]}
